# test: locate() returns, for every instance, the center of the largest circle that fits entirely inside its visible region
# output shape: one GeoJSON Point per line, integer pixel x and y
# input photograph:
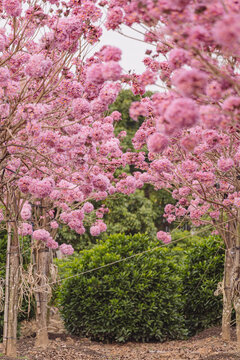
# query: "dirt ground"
{"type": "Point", "coordinates": [206, 346]}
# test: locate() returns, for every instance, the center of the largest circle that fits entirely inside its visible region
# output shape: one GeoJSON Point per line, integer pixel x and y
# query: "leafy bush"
{"type": "Point", "coordinates": [167, 293]}
{"type": "Point", "coordinates": [203, 270]}
{"type": "Point", "coordinates": [138, 299]}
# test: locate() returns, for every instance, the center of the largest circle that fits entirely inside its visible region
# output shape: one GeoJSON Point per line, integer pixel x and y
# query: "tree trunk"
{"type": "Point", "coordinates": [236, 284]}
{"type": "Point", "coordinates": [227, 297]}
{"type": "Point", "coordinates": [42, 296]}
{"type": "Point", "coordinates": [11, 295]}
{"type": "Point", "coordinates": [237, 309]}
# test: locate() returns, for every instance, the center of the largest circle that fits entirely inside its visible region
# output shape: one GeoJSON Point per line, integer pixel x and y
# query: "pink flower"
{"type": "Point", "coordinates": [41, 234]}
{"type": "Point", "coordinates": [180, 211]}
{"type": "Point", "coordinates": [189, 166]}
{"type": "Point", "coordinates": [177, 58]}
{"type": "Point", "coordinates": [1, 215]}
{"type": "Point", "coordinates": [41, 188]}
{"type": "Point", "coordinates": [148, 77]}
{"type": "Point", "coordinates": [24, 184]}
{"type": "Point", "coordinates": [111, 71]}
{"type": "Point", "coordinates": [26, 211]}
{"type": "Point", "coordinates": [110, 53]}
{"type": "Point", "coordinates": [211, 117]}
{"type": "Point", "coordinates": [162, 165]}
{"type": "Point", "coordinates": [182, 113]}
{"type": "Point", "coordinates": [164, 237]}
{"type": "Point", "coordinates": [116, 115]}
{"type": "Point", "coordinates": [214, 90]}
{"type": "Point", "coordinates": [198, 35]}
{"type": "Point", "coordinates": [95, 230]}
{"type": "Point", "coordinates": [231, 103]}
{"type": "Point", "coordinates": [4, 76]}
{"type": "Point", "coordinates": [94, 74]}
{"type": "Point", "coordinates": [207, 177]}
{"type": "Point", "coordinates": [157, 143]}
{"type": "Point", "coordinates": [101, 182]}
{"type": "Point", "coordinates": [225, 164]}
{"type": "Point", "coordinates": [171, 218]}
{"type": "Point", "coordinates": [226, 32]}
{"type": "Point", "coordinates": [3, 40]}
{"type": "Point", "coordinates": [80, 107]}
{"type": "Point", "coordinates": [25, 229]}
{"type": "Point", "coordinates": [102, 225]}
{"type": "Point", "coordinates": [184, 191]}
{"type": "Point", "coordinates": [169, 208]}
{"type": "Point", "coordinates": [65, 217]}
{"type": "Point", "coordinates": [51, 244]}
{"type": "Point", "coordinates": [114, 18]}
{"type": "Point", "coordinates": [190, 82]}
{"type": "Point", "coordinates": [189, 142]}
{"type": "Point", "coordinates": [88, 207]}
{"type": "Point", "coordinates": [12, 7]}
{"type": "Point", "coordinates": [109, 93]}
{"type": "Point", "coordinates": [215, 214]}
{"type": "Point", "coordinates": [66, 249]}
{"type": "Point", "coordinates": [54, 225]}
{"type": "Point", "coordinates": [237, 201]}
{"type": "Point", "coordinates": [38, 66]}
{"type": "Point", "coordinates": [237, 156]}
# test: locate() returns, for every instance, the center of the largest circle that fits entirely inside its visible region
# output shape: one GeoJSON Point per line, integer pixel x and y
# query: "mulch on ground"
{"type": "Point", "coordinates": [207, 345]}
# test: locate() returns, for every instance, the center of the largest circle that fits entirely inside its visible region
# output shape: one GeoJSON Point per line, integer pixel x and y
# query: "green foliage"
{"type": "Point", "coordinates": [122, 104]}
{"type": "Point", "coordinates": [138, 299]}
{"type": "Point", "coordinates": [203, 271]}
{"type": "Point", "coordinates": [167, 293]}
{"type": "Point", "coordinates": [141, 212]}
{"type": "Point", "coordinates": [79, 242]}
{"type": "Point", "coordinates": [131, 215]}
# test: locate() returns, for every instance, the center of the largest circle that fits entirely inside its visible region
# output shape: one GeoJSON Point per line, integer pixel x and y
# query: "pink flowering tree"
{"type": "Point", "coordinates": [195, 62]}
{"type": "Point", "coordinates": [58, 149]}
{"type": "Point", "coordinates": [202, 170]}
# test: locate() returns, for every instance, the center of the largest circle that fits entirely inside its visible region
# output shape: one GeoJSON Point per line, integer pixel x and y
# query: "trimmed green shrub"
{"type": "Point", "coordinates": [166, 293]}
{"type": "Point", "coordinates": [203, 270]}
{"type": "Point", "coordinates": [138, 299]}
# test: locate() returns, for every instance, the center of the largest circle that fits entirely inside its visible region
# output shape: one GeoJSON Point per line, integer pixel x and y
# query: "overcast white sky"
{"type": "Point", "coordinates": [133, 51]}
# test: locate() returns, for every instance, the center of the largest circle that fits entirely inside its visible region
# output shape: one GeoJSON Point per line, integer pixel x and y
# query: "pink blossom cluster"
{"type": "Point", "coordinates": [225, 164]}
{"type": "Point", "coordinates": [25, 229]}
{"type": "Point", "coordinates": [164, 237]}
{"type": "Point", "coordinates": [97, 228]}
{"type": "Point", "coordinates": [66, 249]}
{"type": "Point", "coordinates": [26, 211]}
{"type": "Point", "coordinates": [38, 66]}
{"type": "Point", "coordinates": [12, 7]}
{"type": "Point", "coordinates": [44, 235]}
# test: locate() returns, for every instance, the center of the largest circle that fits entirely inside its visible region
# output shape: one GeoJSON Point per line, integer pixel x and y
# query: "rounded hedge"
{"type": "Point", "coordinates": [167, 293]}
{"type": "Point", "coordinates": [203, 271]}
{"type": "Point", "coordinates": [138, 299]}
